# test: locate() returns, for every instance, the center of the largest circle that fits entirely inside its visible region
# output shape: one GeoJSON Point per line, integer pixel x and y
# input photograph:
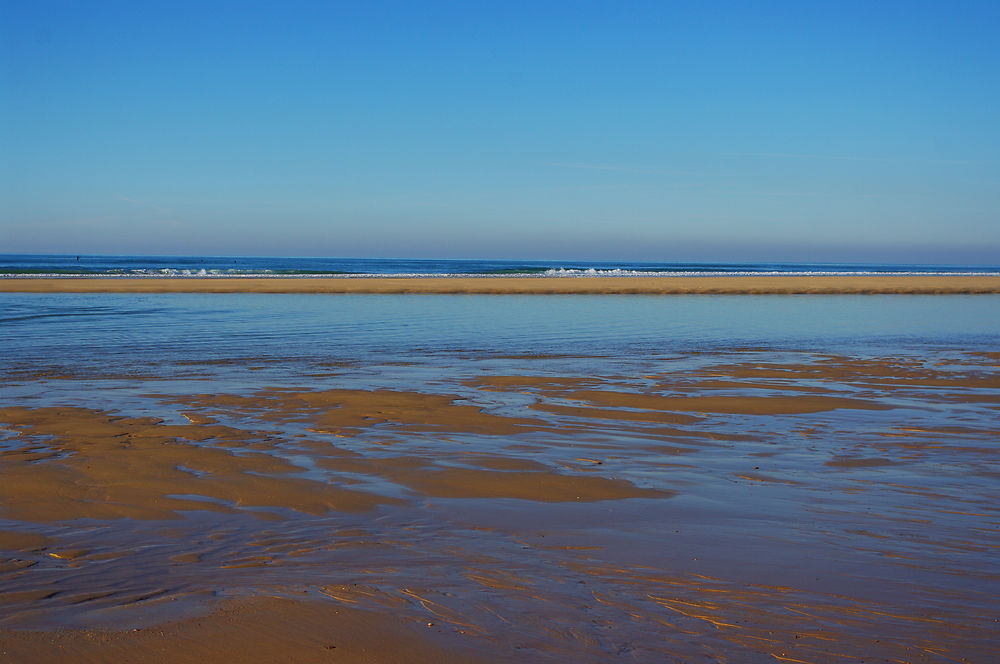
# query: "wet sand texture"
{"type": "Point", "coordinates": [527, 286]}
{"type": "Point", "coordinates": [78, 463]}
{"type": "Point", "coordinates": [816, 508]}
{"type": "Point", "coordinates": [103, 466]}
{"type": "Point", "coordinates": [260, 631]}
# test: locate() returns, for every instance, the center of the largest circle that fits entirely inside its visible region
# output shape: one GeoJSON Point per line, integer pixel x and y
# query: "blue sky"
{"type": "Point", "coordinates": [813, 131]}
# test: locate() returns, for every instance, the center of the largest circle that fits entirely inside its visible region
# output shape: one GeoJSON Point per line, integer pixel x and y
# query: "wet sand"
{"type": "Point", "coordinates": [259, 631]}
{"type": "Point", "coordinates": [753, 285]}
{"type": "Point", "coordinates": [754, 508]}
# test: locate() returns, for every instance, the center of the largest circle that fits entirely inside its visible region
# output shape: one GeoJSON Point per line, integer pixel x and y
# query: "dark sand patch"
{"type": "Point", "coordinates": [747, 405]}
{"type": "Point", "coordinates": [693, 385]}
{"type": "Point", "coordinates": [534, 382]}
{"type": "Point", "coordinates": [589, 412]}
{"type": "Point", "coordinates": [530, 485]}
{"type": "Point", "coordinates": [876, 372]}
{"type": "Point", "coordinates": [491, 462]}
{"type": "Point", "coordinates": [857, 462]}
{"type": "Point", "coordinates": [786, 623]}
{"type": "Point", "coordinates": [539, 483]}
{"type": "Point", "coordinates": [695, 399]}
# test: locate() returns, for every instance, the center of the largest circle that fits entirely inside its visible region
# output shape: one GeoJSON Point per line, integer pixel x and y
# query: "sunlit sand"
{"type": "Point", "coordinates": [909, 284]}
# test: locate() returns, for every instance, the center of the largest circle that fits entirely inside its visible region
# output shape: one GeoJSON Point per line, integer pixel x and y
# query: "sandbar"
{"type": "Point", "coordinates": [741, 285]}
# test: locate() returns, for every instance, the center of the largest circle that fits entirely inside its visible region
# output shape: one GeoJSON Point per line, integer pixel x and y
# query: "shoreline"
{"type": "Point", "coordinates": [742, 285]}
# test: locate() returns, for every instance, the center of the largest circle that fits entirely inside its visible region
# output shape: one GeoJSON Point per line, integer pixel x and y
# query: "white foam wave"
{"type": "Point", "coordinates": [555, 272]}
{"type": "Point", "coordinates": [618, 272]}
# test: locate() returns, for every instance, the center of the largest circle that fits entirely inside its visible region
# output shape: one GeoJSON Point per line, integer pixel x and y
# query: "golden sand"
{"type": "Point", "coordinates": [914, 285]}
{"type": "Point", "coordinates": [259, 631]}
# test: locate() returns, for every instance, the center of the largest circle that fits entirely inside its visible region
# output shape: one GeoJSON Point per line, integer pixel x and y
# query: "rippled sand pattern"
{"type": "Point", "coordinates": [740, 506]}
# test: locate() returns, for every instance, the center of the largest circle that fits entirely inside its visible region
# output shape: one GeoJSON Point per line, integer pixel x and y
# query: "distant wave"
{"type": "Point", "coordinates": [619, 272]}
{"type": "Point", "coordinates": [25, 266]}
{"type": "Point", "coordinates": [567, 273]}
{"type": "Point", "coordinates": [169, 272]}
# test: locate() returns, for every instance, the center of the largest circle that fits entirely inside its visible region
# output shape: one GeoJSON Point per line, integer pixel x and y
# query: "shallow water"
{"type": "Point", "coordinates": [827, 466]}
{"type": "Point", "coordinates": [48, 327]}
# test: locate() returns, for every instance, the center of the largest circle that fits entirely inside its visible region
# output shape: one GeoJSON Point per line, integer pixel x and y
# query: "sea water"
{"type": "Point", "coordinates": [31, 265]}
{"type": "Point", "coordinates": [148, 330]}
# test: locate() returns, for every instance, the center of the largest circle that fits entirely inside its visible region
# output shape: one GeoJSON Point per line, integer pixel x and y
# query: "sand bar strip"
{"type": "Point", "coordinates": [743, 285]}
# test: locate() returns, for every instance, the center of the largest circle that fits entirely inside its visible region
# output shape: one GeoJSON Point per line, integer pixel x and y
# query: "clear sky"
{"type": "Point", "coordinates": [810, 131]}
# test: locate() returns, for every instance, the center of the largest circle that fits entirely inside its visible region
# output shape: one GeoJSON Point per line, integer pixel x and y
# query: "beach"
{"type": "Point", "coordinates": [554, 333]}
{"type": "Point", "coordinates": [723, 285]}
{"type": "Point", "coordinates": [389, 478]}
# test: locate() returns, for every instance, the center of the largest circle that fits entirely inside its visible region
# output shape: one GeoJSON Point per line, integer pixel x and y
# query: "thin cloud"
{"type": "Point", "coordinates": [621, 168]}
{"type": "Point", "coordinates": [848, 157]}
{"type": "Point", "coordinates": [597, 167]}
{"type": "Point", "coordinates": [823, 194]}
{"type": "Point", "coordinates": [795, 155]}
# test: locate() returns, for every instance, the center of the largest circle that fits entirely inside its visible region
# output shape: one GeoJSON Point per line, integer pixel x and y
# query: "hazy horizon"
{"type": "Point", "coordinates": [541, 259]}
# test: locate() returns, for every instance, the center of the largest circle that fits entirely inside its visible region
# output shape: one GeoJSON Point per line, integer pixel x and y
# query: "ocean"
{"type": "Point", "coordinates": [27, 265]}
